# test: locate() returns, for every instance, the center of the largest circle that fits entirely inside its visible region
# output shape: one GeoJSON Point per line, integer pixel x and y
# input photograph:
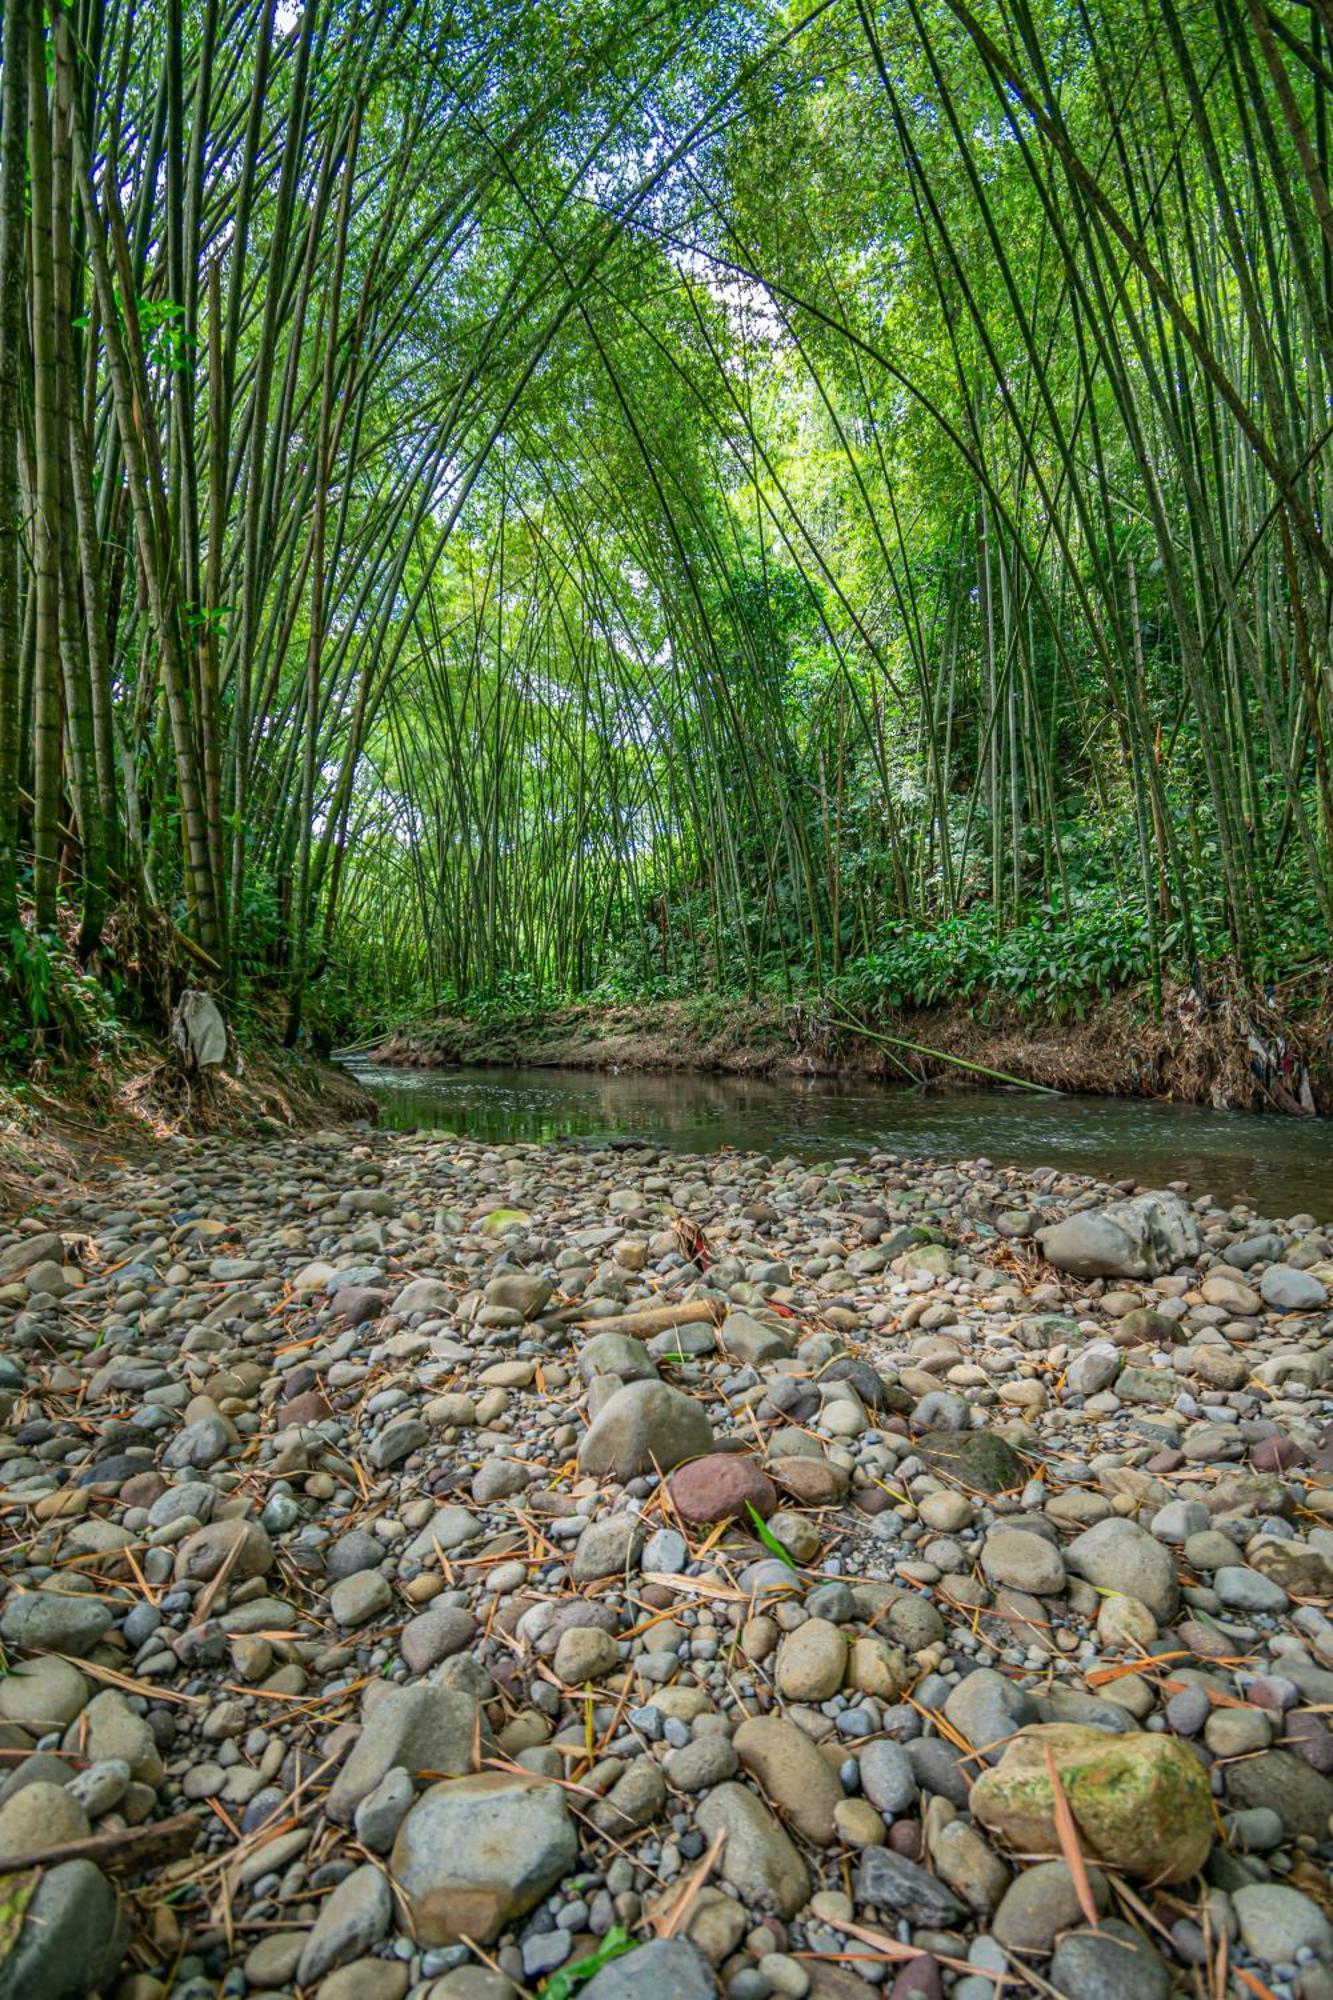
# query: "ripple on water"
{"type": "Point", "coordinates": [1282, 1166]}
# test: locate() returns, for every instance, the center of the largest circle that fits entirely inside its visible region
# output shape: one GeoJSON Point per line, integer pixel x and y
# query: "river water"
{"type": "Point", "coordinates": [1281, 1166]}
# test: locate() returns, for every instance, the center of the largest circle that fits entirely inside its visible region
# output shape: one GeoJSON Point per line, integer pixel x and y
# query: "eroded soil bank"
{"type": "Point", "coordinates": [1234, 1051]}
{"type": "Point", "coordinates": [62, 1123]}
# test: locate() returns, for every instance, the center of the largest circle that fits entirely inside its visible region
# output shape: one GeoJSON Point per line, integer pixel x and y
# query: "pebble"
{"type": "Point", "coordinates": [422, 1543]}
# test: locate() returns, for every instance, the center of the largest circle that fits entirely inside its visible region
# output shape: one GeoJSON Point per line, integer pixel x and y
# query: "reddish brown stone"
{"type": "Point", "coordinates": [721, 1487]}
{"type": "Point", "coordinates": [311, 1407]}
{"type": "Point", "coordinates": [142, 1488]}
{"type": "Point", "coordinates": [1309, 1737]}
{"type": "Point", "coordinates": [1204, 1642]}
{"type": "Point", "coordinates": [1275, 1454]}
{"type": "Point", "coordinates": [918, 1981]}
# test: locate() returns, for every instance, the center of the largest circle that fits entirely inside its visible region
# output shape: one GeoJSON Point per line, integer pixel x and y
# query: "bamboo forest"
{"type": "Point", "coordinates": [511, 504]}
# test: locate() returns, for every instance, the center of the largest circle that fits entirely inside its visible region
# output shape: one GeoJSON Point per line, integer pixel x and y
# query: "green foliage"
{"type": "Point", "coordinates": [47, 1000]}
{"type": "Point", "coordinates": [781, 529]}
{"type": "Point", "coordinates": [569, 1978]}
{"type": "Point", "coordinates": [768, 1538]}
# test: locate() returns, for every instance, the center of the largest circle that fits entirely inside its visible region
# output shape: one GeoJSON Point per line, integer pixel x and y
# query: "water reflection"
{"type": "Point", "coordinates": [1282, 1166]}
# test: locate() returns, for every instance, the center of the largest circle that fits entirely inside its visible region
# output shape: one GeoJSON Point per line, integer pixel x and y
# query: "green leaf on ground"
{"type": "Point", "coordinates": [570, 1977]}
{"type": "Point", "coordinates": [768, 1538]}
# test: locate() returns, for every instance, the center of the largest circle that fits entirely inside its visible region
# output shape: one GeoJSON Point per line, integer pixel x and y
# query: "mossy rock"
{"type": "Point", "coordinates": [1141, 1803]}
{"type": "Point", "coordinates": [930, 1259]}
{"type": "Point", "coordinates": [501, 1220]}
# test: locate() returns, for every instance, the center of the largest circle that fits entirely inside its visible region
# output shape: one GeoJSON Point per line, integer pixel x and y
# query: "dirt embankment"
{"type": "Point", "coordinates": [1236, 1051]}
{"type": "Point", "coordinates": [61, 1124]}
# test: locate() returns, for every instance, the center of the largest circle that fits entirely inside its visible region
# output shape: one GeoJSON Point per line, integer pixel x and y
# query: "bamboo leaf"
{"type": "Point", "coordinates": [768, 1538]}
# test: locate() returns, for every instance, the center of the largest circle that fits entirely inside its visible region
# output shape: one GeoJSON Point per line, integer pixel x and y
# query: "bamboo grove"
{"type": "Point", "coordinates": [550, 498]}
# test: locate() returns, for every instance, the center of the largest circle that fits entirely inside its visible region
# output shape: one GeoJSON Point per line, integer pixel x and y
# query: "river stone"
{"type": "Point", "coordinates": [1023, 1561]}
{"type": "Point", "coordinates": [423, 1295]}
{"type": "Point", "coordinates": [644, 1427]}
{"type": "Point", "coordinates": [751, 1340]}
{"type": "Point", "coordinates": [635, 1799]}
{"type": "Point", "coordinates": [1117, 1554]}
{"type": "Point", "coordinates": [198, 1445]}
{"type": "Point", "coordinates": [1301, 1797]}
{"type": "Point", "coordinates": [1290, 1290]}
{"type": "Point", "coordinates": [382, 1812]}
{"type": "Point", "coordinates": [449, 1528]}
{"type": "Point", "coordinates": [353, 1552]}
{"type": "Point", "coordinates": [893, 1883]}
{"type": "Point", "coordinates": [989, 1711]}
{"type": "Point", "coordinates": [609, 1547]}
{"type": "Point", "coordinates": [436, 1635]}
{"type": "Point", "coordinates": [887, 1777]}
{"type": "Point", "coordinates": [814, 1482]}
{"type": "Point", "coordinates": [616, 1354]}
{"type": "Point", "coordinates": [21, 1256]}
{"type": "Point", "coordinates": [721, 1487]}
{"type": "Point", "coordinates": [71, 1940]}
{"type": "Point", "coordinates": [1041, 1902]}
{"type": "Point", "coordinates": [1302, 1572]}
{"type": "Point", "coordinates": [43, 1695]}
{"type": "Point", "coordinates": [811, 1661]}
{"type": "Point", "coordinates": [1095, 1368]}
{"type": "Point", "coordinates": [41, 1815]}
{"type": "Point", "coordinates": [1141, 1237]}
{"type": "Point", "coordinates": [758, 1859]}
{"type": "Point", "coordinates": [243, 1545]}
{"type": "Point", "coordinates": [585, 1654]}
{"type": "Point", "coordinates": [977, 1459]}
{"type": "Point", "coordinates": [790, 1771]}
{"type": "Point", "coordinates": [702, 1763]}
{"type": "Point", "coordinates": [396, 1442]}
{"type": "Point", "coordinates": [421, 1728]}
{"type": "Point", "coordinates": [1112, 1963]}
{"type": "Point", "coordinates": [1141, 1802]}
{"type": "Point", "coordinates": [523, 1292]}
{"type": "Point", "coordinates": [109, 1727]}
{"type": "Point", "coordinates": [1277, 1922]}
{"type": "Point", "coordinates": [355, 1600]}
{"type": "Point", "coordinates": [355, 1917]}
{"type": "Point", "coordinates": [43, 1621]}
{"type": "Point", "coordinates": [665, 1969]}
{"type": "Point", "coordinates": [1235, 1297]}
{"type": "Point", "coordinates": [475, 1853]}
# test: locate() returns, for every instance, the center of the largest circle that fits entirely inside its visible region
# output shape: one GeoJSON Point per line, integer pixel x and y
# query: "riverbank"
{"type": "Point", "coordinates": [1231, 1050]}
{"type": "Point", "coordinates": [434, 1566]}
{"type": "Point", "coordinates": [62, 1121]}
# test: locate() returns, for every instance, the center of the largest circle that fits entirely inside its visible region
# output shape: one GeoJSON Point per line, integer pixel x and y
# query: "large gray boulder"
{"type": "Point", "coordinates": [70, 1940]}
{"type": "Point", "coordinates": [1141, 1237]}
{"type": "Point", "coordinates": [420, 1728]}
{"type": "Point", "coordinates": [644, 1427]}
{"type": "Point", "coordinates": [475, 1853]}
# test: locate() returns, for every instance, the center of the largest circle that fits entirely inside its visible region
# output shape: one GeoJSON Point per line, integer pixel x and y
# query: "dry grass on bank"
{"type": "Point", "coordinates": [63, 1124]}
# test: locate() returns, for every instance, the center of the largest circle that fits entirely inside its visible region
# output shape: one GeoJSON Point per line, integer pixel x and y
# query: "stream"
{"type": "Point", "coordinates": [1280, 1166]}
